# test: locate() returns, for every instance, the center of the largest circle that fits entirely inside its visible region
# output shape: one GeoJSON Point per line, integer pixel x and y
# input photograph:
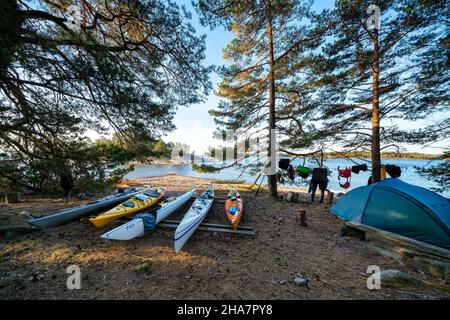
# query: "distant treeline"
{"type": "Point", "coordinates": [386, 155]}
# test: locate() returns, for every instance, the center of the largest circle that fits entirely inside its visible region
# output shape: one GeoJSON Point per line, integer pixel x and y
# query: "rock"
{"type": "Point", "coordinates": [393, 277]}
{"type": "Point", "coordinates": [302, 281]}
{"type": "Point", "coordinates": [436, 268]}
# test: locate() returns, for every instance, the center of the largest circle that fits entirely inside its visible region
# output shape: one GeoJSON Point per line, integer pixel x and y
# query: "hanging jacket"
{"type": "Point", "coordinates": [393, 170]}
{"type": "Point", "coordinates": [291, 172]}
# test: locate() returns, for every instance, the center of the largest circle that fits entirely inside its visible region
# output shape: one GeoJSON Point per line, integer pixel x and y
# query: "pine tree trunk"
{"type": "Point", "coordinates": [272, 179]}
{"type": "Point", "coordinates": [376, 154]}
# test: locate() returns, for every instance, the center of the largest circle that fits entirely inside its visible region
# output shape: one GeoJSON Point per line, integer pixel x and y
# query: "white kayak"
{"type": "Point", "coordinates": [137, 227]}
{"type": "Point", "coordinates": [193, 218]}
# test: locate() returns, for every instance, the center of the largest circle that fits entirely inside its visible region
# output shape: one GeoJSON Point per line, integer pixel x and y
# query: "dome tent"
{"type": "Point", "coordinates": [401, 208]}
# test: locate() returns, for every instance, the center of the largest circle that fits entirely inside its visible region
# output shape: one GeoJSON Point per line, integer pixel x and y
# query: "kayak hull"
{"type": "Point", "coordinates": [136, 204]}
{"type": "Point", "coordinates": [135, 228]}
{"type": "Point", "coordinates": [71, 214]}
{"type": "Point", "coordinates": [193, 218]}
{"type": "Point", "coordinates": [127, 231]}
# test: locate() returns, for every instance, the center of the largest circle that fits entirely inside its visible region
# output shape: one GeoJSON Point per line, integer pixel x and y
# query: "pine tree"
{"type": "Point", "coordinates": [379, 75]}
{"type": "Point", "coordinates": [161, 149]}
{"type": "Point", "coordinates": [439, 173]}
{"type": "Point", "coordinates": [261, 87]}
{"type": "Point", "coordinates": [126, 65]}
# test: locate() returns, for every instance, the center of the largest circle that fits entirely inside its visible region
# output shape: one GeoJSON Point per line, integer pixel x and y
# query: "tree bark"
{"type": "Point", "coordinates": [376, 153]}
{"type": "Point", "coordinates": [271, 179]}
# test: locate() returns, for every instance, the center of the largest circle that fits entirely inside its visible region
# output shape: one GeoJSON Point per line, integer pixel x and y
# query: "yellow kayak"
{"type": "Point", "coordinates": [135, 204]}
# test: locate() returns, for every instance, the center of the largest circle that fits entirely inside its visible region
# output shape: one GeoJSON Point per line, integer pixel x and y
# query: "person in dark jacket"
{"type": "Point", "coordinates": [67, 185]}
{"type": "Point", "coordinates": [319, 179]}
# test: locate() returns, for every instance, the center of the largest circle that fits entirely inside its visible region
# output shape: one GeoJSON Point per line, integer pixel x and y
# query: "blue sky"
{"type": "Point", "coordinates": [195, 126]}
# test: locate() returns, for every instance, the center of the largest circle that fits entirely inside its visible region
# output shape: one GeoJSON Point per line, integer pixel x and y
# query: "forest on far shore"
{"type": "Point", "coordinates": [389, 155]}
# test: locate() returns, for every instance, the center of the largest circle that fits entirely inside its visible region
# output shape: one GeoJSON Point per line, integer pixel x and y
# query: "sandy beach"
{"type": "Point", "coordinates": [211, 265]}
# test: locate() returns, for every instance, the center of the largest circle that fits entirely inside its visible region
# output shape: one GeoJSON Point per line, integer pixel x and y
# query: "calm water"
{"type": "Point", "coordinates": [409, 174]}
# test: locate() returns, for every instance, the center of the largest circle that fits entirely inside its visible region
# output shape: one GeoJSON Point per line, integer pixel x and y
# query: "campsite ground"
{"type": "Point", "coordinates": [211, 266]}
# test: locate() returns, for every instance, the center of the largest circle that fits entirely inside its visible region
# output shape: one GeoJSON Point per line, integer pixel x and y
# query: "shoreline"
{"type": "Point", "coordinates": [241, 183]}
{"type": "Point", "coordinates": [168, 162]}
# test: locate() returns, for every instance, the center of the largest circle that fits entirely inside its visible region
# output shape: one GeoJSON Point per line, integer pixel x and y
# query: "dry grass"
{"type": "Point", "coordinates": [211, 266]}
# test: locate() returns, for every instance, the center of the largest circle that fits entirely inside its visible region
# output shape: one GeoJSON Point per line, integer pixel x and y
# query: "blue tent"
{"type": "Point", "coordinates": [401, 208]}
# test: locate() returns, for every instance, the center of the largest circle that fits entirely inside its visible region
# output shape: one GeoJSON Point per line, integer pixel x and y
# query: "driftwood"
{"type": "Point", "coordinates": [347, 231]}
{"type": "Point", "coordinates": [419, 255]}
{"type": "Point", "coordinates": [401, 240]}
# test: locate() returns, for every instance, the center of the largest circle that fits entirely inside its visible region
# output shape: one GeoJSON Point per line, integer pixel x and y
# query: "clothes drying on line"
{"type": "Point", "coordinates": [344, 174]}
{"type": "Point", "coordinates": [303, 171]}
{"type": "Point", "coordinates": [393, 170]}
{"type": "Point", "coordinates": [358, 168]}
{"type": "Point", "coordinates": [284, 163]}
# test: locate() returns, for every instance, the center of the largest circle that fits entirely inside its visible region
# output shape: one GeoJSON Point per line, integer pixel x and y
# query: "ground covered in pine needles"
{"type": "Point", "coordinates": [211, 265]}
